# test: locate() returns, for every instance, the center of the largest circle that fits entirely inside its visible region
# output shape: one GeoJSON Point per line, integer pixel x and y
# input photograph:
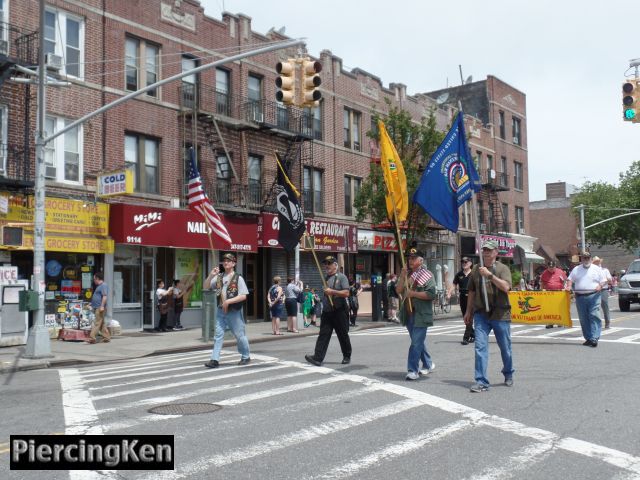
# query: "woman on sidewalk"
{"type": "Point", "coordinates": [291, 292]}
{"type": "Point", "coordinates": [275, 299]}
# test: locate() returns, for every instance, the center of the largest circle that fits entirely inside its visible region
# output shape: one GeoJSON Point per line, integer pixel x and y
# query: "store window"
{"type": "Point", "coordinates": [188, 269]}
{"type": "Point", "coordinates": [127, 276]}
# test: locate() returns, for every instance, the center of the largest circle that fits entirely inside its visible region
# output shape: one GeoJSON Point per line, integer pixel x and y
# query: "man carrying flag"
{"type": "Point", "coordinates": [450, 178]}
{"type": "Point", "coordinates": [199, 202]}
{"type": "Point", "coordinates": [290, 216]}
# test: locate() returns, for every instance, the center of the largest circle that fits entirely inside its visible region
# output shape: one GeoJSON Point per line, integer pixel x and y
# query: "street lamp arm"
{"type": "Point", "coordinates": [612, 218]}
{"type": "Point", "coordinates": [178, 76]}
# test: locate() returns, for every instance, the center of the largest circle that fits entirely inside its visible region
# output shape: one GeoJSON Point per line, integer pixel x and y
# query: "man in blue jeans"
{"type": "Point", "coordinates": [497, 278]}
{"type": "Point", "coordinates": [231, 291]}
{"type": "Point", "coordinates": [418, 288]}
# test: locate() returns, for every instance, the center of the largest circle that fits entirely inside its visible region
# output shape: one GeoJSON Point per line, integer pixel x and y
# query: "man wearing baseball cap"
{"type": "Point", "coordinates": [335, 314]}
{"type": "Point", "coordinates": [497, 317]}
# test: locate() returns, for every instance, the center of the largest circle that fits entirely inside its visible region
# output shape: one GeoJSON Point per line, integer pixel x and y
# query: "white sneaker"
{"type": "Point", "coordinates": [427, 371]}
{"type": "Point", "coordinates": [412, 376]}
{"type": "Point", "coordinates": [433, 367]}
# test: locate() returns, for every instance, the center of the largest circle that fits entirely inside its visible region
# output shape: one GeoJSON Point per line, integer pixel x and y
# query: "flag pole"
{"type": "Point", "coordinates": [312, 245]}
{"type": "Point", "coordinates": [474, 206]}
{"type": "Point", "coordinates": [402, 259]}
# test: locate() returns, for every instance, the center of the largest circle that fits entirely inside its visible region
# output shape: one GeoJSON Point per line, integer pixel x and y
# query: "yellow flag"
{"type": "Point", "coordinates": [393, 171]}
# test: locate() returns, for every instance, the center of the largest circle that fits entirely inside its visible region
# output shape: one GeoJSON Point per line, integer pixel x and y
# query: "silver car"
{"type": "Point", "coordinates": [629, 287]}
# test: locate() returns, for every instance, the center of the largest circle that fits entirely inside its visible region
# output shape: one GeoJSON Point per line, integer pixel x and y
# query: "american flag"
{"type": "Point", "coordinates": [200, 203]}
{"type": "Point", "coordinates": [420, 276]}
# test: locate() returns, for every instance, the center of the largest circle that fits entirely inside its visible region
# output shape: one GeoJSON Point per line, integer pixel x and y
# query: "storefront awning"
{"type": "Point", "coordinates": [533, 257]}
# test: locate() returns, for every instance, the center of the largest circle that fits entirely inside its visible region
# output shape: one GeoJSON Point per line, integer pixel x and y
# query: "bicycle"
{"type": "Point", "coordinates": [441, 303]}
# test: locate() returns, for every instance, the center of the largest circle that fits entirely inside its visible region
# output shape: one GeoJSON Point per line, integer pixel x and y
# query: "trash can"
{"type": "Point", "coordinates": [377, 294]}
{"type": "Point", "coordinates": [209, 306]}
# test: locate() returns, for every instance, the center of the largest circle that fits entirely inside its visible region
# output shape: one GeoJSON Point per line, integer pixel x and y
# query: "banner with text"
{"type": "Point", "coordinates": [540, 307]}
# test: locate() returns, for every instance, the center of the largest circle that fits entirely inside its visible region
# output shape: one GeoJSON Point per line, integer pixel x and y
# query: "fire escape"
{"type": "Point", "coordinates": [18, 48]}
{"type": "Point", "coordinates": [491, 214]}
{"type": "Point", "coordinates": [225, 124]}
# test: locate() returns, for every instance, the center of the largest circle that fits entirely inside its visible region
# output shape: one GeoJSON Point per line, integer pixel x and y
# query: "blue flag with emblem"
{"type": "Point", "coordinates": [449, 179]}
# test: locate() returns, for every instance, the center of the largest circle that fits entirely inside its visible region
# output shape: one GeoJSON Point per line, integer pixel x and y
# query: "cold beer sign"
{"type": "Point", "coordinates": [115, 183]}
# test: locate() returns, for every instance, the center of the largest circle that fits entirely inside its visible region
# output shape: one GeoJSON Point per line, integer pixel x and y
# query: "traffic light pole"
{"type": "Point", "coordinates": [38, 342]}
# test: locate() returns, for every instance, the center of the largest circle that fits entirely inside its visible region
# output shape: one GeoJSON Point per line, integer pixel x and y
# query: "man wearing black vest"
{"type": "Point", "coordinates": [231, 291]}
{"type": "Point", "coordinates": [335, 314]}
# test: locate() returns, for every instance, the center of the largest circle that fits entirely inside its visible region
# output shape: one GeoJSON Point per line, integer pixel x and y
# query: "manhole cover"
{"type": "Point", "coordinates": [184, 408]}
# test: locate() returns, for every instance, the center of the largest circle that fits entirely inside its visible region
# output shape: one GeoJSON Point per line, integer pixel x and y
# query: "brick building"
{"type": "Point", "coordinates": [106, 49]}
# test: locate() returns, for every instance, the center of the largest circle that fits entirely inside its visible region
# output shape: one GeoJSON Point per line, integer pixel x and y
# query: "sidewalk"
{"type": "Point", "coordinates": [135, 344]}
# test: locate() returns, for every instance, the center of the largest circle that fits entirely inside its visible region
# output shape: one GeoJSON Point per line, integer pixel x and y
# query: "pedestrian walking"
{"type": "Point", "coordinates": [497, 278]}
{"type": "Point", "coordinates": [291, 293]}
{"type": "Point", "coordinates": [393, 298]}
{"type": "Point", "coordinates": [355, 289]}
{"type": "Point", "coordinates": [275, 299]}
{"type": "Point", "coordinates": [335, 315]}
{"type": "Point", "coordinates": [553, 278]}
{"type": "Point", "coordinates": [231, 291]}
{"type": "Point", "coordinates": [418, 289]}
{"type": "Point", "coordinates": [307, 306]}
{"type": "Point", "coordinates": [99, 301]}
{"type": "Point", "coordinates": [162, 297]}
{"type": "Point", "coordinates": [461, 284]}
{"type": "Point", "coordinates": [178, 303]}
{"type": "Point", "coordinates": [604, 293]}
{"type": "Point", "coordinates": [587, 280]}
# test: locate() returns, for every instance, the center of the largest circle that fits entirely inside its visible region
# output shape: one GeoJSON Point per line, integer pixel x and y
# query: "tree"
{"type": "Point", "coordinates": [603, 200]}
{"type": "Point", "coordinates": [415, 143]}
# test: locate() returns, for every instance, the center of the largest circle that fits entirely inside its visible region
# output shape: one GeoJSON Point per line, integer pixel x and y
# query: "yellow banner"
{"type": "Point", "coordinates": [540, 307]}
{"type": "Point", "coordinates": [62, 215]}
{"type": "Point", "coordinates": [394, 176]}
{"type": "Point", "coordinates": [61, 243]}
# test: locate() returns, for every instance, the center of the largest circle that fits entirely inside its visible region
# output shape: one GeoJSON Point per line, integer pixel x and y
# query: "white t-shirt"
{"type": "Point", "coordinates": [161, 292]}
{"type": "Point", "coordinates": [586, 280]}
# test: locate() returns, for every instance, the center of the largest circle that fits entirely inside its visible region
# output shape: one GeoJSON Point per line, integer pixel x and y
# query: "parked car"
{"type": "Point", "coordinates": [629, 287]}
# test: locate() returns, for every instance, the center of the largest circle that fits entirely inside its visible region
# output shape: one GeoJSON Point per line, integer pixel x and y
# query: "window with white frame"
{"type": "Point", "coordinates": [254, 174]}
{"type": "Point", "coordinates": [312, 190]}
{"type": "Point", "coordinates": [351, 128]}
{"type": "Point", "coordinates": [518, 177]}
{"type": "Point", "coordinates": [142, 155]}
{"type": "Point", "coordinates": [516, 130]}
{"type": "Point", "coordinates": [141, 65]}
{"type": "Point", "coordinates": [351, 188]}
{"type": "Point", "coordinates": [64, 36]}
{"type": "Point", "coordinates": [63, 154]}
{"type": "Point", "coordinates": [519, 220]}
{"type": "Point", "coordinates": [4, 18]}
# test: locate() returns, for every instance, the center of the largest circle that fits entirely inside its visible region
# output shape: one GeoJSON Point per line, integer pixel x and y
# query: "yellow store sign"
{"type": "Point", "coordinates": [61, 243]}
{"type": "Point", "coordinates": [540, 307]}
{"type": "Point", "coordinates": [62, 215]}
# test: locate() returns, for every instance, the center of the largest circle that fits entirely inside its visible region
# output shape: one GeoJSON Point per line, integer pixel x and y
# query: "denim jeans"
{"type": "Point", "coordinates": [502, 331]}
{"type": "Point", "coordinates": [232, 320]}
{"type": "Point", "coordinates": [589, 314]}
{"type": "Point", "coordinates": [418, 348]}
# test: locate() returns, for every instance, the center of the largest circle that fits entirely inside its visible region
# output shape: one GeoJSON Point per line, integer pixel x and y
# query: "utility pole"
{"type": "Point", "coordinates": [583, 244]}
{"type": "Point", "coordinates": [38, 342]}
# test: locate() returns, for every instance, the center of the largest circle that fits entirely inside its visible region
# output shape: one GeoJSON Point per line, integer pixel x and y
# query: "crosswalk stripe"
{"type": "Point", "coordinates": [202, 391]}
{"type": "Point", "coordinates": [561, 332]}
{"type": "Point", "coordinates": [195, 364]}
{"type": "Point", "coordinates": [520, 461]}
{"type": "Point", "coordinates": [289, 439]}
{"type": "Point", "coordinates": [201, 371]}
{"type": "Point", "coordinates": [213, 378]}
{"type": "Point", "coordinates": [528, 330]}
{"type": "Point", "coordinates": [629, 338]}
{"type": "Point", "coordinates": [393, 451]}
{"type": "Point", "coordinates": [100, 372]}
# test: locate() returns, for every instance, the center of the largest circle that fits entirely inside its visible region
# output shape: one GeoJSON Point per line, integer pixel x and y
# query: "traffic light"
{"type": "Point", "coordinates": [310, 82]}
{"type": "Point", "coordinates": [630, 93]}
{"type": "Point", "coordinates": [286, 82]}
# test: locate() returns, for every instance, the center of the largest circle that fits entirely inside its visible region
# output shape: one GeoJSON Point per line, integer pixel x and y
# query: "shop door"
{"type": "Point", "coordinates": [251, 281]}
{"type": "Point", "coordinates": [148, 292]}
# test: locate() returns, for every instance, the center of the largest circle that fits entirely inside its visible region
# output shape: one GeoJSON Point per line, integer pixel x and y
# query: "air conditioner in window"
{"type": "Point", "coordinates": [515, 140]}
{"type": "Point", "coordinates": [4, 47]}
{"type": "Point", "coordinates": [492, 174]}
{"type": "Point", "coordinates": [50, 171]}
{"type": "Point", "coordinates": [522, 231]}
{"type": "Point", "coordinates": [483, 226]}
{"type": "Point", "coordinates": [53, 61]}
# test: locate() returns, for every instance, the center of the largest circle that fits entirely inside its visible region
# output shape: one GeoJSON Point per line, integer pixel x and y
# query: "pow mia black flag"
{"type": "Point", "coordinates": [290, 216]}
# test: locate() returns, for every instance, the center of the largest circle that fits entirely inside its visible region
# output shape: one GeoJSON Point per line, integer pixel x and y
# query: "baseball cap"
{"type": "Point", "coordinates": [465, 259]}
{"type": "Point", "coordinates": [585, 254]}
{"type": "Point", "coordinates": [414, 252]}
{"type": "Point", "coordinates": [490, 244]}
{"type": "Point", "coordinates": [551, 263]}
{"type": "Point", "coordinates": [229, 256]}
{"type": "Point", "coordinates": [329, 259]}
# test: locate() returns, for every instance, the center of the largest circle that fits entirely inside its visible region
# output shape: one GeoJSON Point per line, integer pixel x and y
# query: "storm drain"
{"type": "Point", "coordinates": [184, 408]}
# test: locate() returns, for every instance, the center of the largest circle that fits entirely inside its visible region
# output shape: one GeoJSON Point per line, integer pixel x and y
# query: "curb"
{"type": "Point", "coordinates": [188, 348]}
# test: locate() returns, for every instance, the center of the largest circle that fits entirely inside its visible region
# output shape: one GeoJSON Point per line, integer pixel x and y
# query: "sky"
{"type": "Point", "coordinates": [570, 58]}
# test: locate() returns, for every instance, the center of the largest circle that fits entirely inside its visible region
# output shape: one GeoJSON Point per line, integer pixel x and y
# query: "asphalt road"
{"type": "Point", "coordinates": [572, 413]}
